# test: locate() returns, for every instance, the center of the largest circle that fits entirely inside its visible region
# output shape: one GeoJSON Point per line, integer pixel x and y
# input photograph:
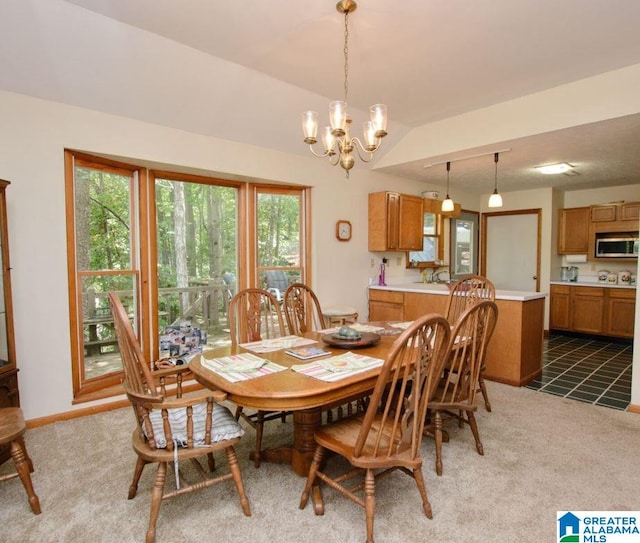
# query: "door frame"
{"type": "Point", "coordinates": [483, 237]}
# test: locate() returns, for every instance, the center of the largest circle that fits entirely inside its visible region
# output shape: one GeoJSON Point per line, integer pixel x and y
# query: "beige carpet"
{"type": "Point", "coordinates": [542, 454]}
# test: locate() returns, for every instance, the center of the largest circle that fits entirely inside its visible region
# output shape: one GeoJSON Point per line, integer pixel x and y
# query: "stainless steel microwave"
{"type": "Point", "coordinates": [618, 247]}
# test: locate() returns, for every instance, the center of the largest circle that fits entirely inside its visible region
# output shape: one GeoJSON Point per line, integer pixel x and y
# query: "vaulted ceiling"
{"type": "Point", "coordinates": [245, 71]}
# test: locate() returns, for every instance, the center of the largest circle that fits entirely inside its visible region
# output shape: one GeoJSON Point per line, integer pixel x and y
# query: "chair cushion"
{"type": "Point", "coordinates": [224, 426]}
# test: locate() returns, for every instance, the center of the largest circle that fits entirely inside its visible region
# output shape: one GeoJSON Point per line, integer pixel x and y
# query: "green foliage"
{"type": "Point", "coordinates": [102, 199]}
{"type": "Point", "coordinates": [278, 230]}
{"type": "Point", "coordinates": [211, 231]}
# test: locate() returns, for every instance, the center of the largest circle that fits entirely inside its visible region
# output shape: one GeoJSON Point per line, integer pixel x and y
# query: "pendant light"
{"type": "Point", "coordinates": [447, 203]}
{"type": "Point", "coordinates": [495, 200]}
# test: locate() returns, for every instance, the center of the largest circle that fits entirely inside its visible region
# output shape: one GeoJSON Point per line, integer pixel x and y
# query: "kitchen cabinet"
{"type": "Point", "coordinates": [514, 354]}
{"type": "Point", "coordinates": [573, 230]}
{"type": "Point", "coordinates": [625, 211]}
{"type": "Point", "coordinates": [560, 307]}
{"type": "Point", "coordinates": [416, 305]}
{"type": "Point", "coordinates": [9, 395]}
{"type": "Point", "coordinates": [594, 310]}
{"type": "Point", "coordinates": [386, 305]}
{"type": "Point", "coordinates": [630, 212]}
{"type": "Point", "coordinates": [395, 222]}
{"type": "Point", "coordinates": [587, 310]}
{"type": "Point", "coordinates": [603, 213]}
{"type": "Point", "coordinates": [620, 312]}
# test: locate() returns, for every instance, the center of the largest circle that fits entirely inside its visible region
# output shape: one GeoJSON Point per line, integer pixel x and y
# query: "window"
{"type": "Point", "coordinates": [280, 232]}
{"type": "Point", "coordinates": [175, 247]}
{"type": "Point", "coordinates": [104, 254]}
{"type": "Point", "coordinates": [197, 232]}
{"type": "Point", "coordinates": [464, 245]}
{"type": "Point", "coordinates": [432, 243]}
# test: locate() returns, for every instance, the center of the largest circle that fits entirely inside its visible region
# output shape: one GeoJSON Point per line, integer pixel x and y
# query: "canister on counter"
{"type": "Point", "coordinates": [624, 277]}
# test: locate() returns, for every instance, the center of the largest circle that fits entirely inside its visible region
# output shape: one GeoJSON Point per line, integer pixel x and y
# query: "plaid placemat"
{"type": "Point", "coordinates": [225, 366]}
{"type": "Point", "coordinates": [275, 344]}
{"type": "Point", "coordinates": [338, 367]}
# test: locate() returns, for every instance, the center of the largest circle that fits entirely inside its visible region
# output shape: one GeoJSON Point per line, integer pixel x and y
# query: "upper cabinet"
{"type": "Point", "coordinates": [395, 222]}
{"type": "Point", "coordinates": [619, 216]}
{"type": "Point", "coordinates": [573, 230]}
{"type": "Point", "coordinates": [578, 227]}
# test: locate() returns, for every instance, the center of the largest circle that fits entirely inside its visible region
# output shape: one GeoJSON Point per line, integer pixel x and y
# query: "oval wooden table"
{"type": "Point", "coordinates": [290, 390]}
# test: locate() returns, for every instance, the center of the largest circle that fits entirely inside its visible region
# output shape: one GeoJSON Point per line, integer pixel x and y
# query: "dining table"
{"type": "Point", "coordinates": [298, 386]}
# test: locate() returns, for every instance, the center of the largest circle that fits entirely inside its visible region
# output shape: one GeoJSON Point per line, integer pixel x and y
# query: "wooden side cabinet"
{"type": "Point", "coordinates": [395, 222]}
{"type": "Point", "coordinates": [9, 395]}
{"type": "Point", "coordinates": [573, 230]}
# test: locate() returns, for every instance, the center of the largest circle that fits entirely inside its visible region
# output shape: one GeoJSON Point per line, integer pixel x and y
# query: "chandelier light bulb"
{"type": "Point", "coordinates": [310, 126]}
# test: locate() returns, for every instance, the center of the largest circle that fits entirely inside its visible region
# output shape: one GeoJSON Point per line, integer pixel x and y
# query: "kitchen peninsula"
{"type": "Point", "coordinates": [514, 356]}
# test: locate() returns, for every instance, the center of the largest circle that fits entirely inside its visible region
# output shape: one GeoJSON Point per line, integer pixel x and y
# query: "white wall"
{"type": "Point", "coordinates": [31, 157]}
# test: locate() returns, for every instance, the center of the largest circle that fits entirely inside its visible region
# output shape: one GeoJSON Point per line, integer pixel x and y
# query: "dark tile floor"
{"type": "Point", "coordinates": [596, 371]}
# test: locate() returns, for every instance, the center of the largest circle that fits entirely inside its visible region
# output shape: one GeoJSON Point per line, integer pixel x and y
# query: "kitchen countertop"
{"type": "Point", "coordinates": [437, 288]}
{"type": "Point", "coordinates": [590, 284]}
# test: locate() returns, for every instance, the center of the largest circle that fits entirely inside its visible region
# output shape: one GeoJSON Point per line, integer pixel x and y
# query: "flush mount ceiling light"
{"type": "Point", "coordinates": [336, 140]}
{"type": "Point", "coordinates": [447, 203]}
{"type": "Point", "coordinates": [495, 200]}
{"type": "Point", "coordinates": [550, 169]}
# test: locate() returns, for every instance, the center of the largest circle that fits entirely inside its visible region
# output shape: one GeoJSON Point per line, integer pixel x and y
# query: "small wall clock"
{"type": "Point", "coordinates": [343, 230]}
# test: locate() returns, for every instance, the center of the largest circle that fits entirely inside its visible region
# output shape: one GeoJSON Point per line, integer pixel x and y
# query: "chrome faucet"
{"type": "Point", "coordinates": [435, 275]}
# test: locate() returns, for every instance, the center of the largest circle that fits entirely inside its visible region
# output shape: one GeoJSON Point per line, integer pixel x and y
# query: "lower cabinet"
{"type": "Point", "coordinates": [386, 305]}
{"type": "Point", "coordinates": [593, 310]}
{"type": "Point", "coordinates": [514, 354]}
{"type": "Point", "coordinates": [620, 312]}
{"type": "Point", "coordinates": [588, 310]}
{"type": "Point", "coordinates": [416, 305]}
{"type": "Point", "coordinates": [560, 307]}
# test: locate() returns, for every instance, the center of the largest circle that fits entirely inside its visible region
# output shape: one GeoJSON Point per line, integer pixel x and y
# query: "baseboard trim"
{"type": "Point", "coordinates": [87, 411]}
{"type": "Point", "coordinates": [77, 413]}
{"type": "Point", "coordinates": [634, 409]}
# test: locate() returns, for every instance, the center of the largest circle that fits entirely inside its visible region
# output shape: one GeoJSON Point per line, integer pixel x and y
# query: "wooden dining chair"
{"type": "Point", "coordinates": [464, 293]}
{"type": "Point", "coordinates": [302, 309]}
{"type": "Point", "coordinates": [455, 395]}
{"type": "Point", "coordinates": [12, 429]}
{"type": "Point", "coordinates": [387, 436]}
{"type": "Point", "coordinates": [303, 314]}
{"type": "Point", "coordinates": [254, 315]}
{"type": "Point", "coordinates": [173, 429]}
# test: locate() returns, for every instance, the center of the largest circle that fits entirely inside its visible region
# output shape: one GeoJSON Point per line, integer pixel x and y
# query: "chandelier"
{"type": "Point", "coordinates": [337, 143]}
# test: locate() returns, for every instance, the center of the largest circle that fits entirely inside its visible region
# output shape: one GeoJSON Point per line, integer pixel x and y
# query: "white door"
{"type": "Point", "coordinates": [511, 249]}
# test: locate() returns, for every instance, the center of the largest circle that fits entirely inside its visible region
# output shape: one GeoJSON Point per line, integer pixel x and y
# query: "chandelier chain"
{"type": "Point", "coordinates": [346, 55]}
